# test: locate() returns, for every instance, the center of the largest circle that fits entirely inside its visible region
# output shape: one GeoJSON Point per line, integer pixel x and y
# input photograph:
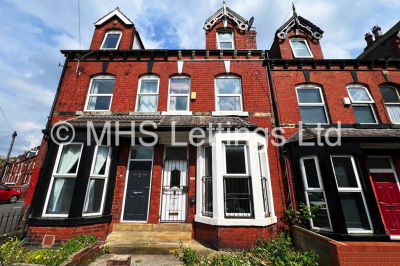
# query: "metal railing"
{"type": "Point", "coordinates": [238, 197]}
{"type": "Point", "coordinates": [207, 196]}
{"type": "Point", "coordinates": [10, 222]}
{"type": "Point", "coordinates": [265, 195]}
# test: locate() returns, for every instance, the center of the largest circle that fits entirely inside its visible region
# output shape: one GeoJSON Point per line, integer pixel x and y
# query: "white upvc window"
{"type": "Point", "coordinates": [300, 48]}
{"type": "Point", "coordinates": [100, 94]}
{"type": "Point", "coordinates": [98, 181]}
{"type": "Point", "coordinates": [362, 104]}
{"type": "Point", "coordinates": [228, 91]}
{"type": "Point", "coordinates": [62, 183]}
{"type": "Point", "coordinates": [147, 99]}
{"type": "Point", "coordinates": [312, 104]}
{"type": "Point", "coordinates": [392, 101]}
{"type": "Point", "coordinates": [351, 195]}
{"type": "Point", "coordinates": [111, 40]}
{"type": "Point", "coordinates": [315, 192]}
{"type": "Point", "coordinates": [179, 94]}
{"type": "Point", "coordinates": [263, 167]}
{"type": "Point", "coordinates": [237, 183]}
{"type": "Point", "coordinates": [226, 39]}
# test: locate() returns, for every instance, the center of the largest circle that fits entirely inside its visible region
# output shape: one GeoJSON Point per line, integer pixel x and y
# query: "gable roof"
{"type": "Point", "coordinates": [242, 23]}
{"type": "Point", "coordinates": [115, 12]}
{"type": "Point", "coordinates": [316, 32]}
{"type": "Point", "coordinates": [394, 30]}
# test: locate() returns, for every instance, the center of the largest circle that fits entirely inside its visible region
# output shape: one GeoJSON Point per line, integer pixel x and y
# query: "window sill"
{"type": "Point", "coordinates": [371, 126]}
{"type": "Point", "coordinates": [395, 125]}
{"type": "Point", "coordinates": [227, 113]}
{"type": "Point", "coordinates": [177, 113]}
{"type": "Point", "coordinates": [100, 112]}
{"type": "Point", "coordinates": [236, 222]}
{"type": "Point", "coordinates": [144, 113]}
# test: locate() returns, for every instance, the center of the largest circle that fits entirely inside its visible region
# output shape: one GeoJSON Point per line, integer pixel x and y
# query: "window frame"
{"type": "Point", "coordinates": [363, 103]}
{"type": "Point", "coordinates": [55, 175]}
{"type": "Point", "coordinates": [233, 39]}
{"type": "Point", "coordinates": [294, 52]}
{"type": "Point", "coordinates": [391, 103]}
{"type": "Point", "coordinates": [99, 77]}
{"type": "Point", "coordinates": [178, 95]}
{"type": "Point", "coordinates": [358, 189]}
{"type": "Point", "coordinates": [323, 104]}
{"type": "Point", "coordinates": [321, 189]}
{"type": "Point", "coordinates": [242, 176]}
{"type": "Point", "coordinates": [105, 38]}
{"type": "Point", "coordinates": [103, 177]}
{"type": "Point", "coordinates": [147, 77]}
{"type": "Point", "coordinates": [228, 95]}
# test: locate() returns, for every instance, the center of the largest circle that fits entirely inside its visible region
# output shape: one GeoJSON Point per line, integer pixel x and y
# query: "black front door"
{"type": "Point", "coordinates": [137, 191]}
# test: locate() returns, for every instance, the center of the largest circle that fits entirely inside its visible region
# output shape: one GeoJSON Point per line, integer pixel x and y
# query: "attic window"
{"type": "Point", "coordinates": [225, 40]}
{"type": "Point", "coordinates": [300, 48]}
{"type": "Point", "coordinates": [111, 40]}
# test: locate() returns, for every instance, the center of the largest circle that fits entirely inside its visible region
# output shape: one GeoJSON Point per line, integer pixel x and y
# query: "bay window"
{"type": "Point", "coordinates": [300, 48]}
{"type": "Point", "coordinates": [262, 160]}
{"type": "Point", "coordinates": [100, 93]}
{"type": "Point", "coordinates": [362, 104]}
{"type": "Point", "coordinates": [237, 183]}
{"type": "Point", "coordinates": [351, 195]}
{"type": "Point", "coordinates": [207, 183]}
{"type": "Point", "coordinates": [111, 40]}
{"type": "Point", "coordinates": [315, 193]}
{"type": "Point", "coordinates": [311, 104]}
{"type": "Point", "coordinates": [62, 183]}
{"type": "Point", "coordinates": [97, 185]}
{"type": "Point", "coordinates": [179, 94]}
{"type": "Point", "coordinates": [147, 100]}
{"type": "Point", "coordinates": [392, 101]}
{"type": "Point", "coordinates": [228, 91]}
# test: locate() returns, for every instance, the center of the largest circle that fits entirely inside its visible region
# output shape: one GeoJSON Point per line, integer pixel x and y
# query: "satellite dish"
{"type": "Point", "coordinates": [250, 23]}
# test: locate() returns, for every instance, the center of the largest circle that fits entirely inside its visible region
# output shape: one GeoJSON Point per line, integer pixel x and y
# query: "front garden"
{"type": "Point", "coordinates": [12, 251]}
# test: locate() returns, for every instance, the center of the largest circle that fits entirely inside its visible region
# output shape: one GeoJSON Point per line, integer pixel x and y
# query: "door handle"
{"type": "Point", "coordinates": [137, 192]}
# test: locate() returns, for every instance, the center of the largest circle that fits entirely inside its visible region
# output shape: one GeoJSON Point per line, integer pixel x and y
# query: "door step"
{"type": "Point", "coordinates": [147, 237]}
{"type": "Point", "coordinates": [167, 227]}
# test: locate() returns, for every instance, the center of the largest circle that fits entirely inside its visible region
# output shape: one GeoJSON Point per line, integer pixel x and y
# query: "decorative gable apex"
{"type": "Point", "coordinates": [115, 12]}
{"type": "Point", "coordinates": [296, 21]}
{"type": "Point", "coordinates": [226, 12]}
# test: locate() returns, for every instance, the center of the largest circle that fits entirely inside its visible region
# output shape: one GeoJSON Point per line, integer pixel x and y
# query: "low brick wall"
{"type": "Point", "coordinates": [336, 253]}
{"type": "Point", "coordinates": [77, 259]}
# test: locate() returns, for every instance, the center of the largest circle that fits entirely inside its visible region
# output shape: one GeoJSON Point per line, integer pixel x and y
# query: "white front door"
{"type": "Point", "coordinates": [174, 191]}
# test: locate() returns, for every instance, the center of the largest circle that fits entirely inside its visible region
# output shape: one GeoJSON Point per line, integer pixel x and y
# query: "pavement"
{"type": "Point", "coordinates": [145, 260]}
{"type": "Point", "coordinates": [5, 208]}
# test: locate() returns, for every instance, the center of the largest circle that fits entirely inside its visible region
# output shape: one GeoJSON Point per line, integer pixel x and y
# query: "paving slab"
{"type": "Point", "coordinates": [139, 260]}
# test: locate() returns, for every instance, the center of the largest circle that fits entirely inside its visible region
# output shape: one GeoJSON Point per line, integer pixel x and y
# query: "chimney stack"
{"type": "Point", "coordinates": [369, 39]}
{"type": "Point", "coordinates": [376, 30]}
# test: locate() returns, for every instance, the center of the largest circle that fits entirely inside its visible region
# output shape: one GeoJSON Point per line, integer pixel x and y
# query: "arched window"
{"type": "Point", "coordinates": [228, 91]}
{"type": "Point", "coordinates": [111, 40]}
{"type": "Point", "coordinates": [300, 48]}
{"type": "Point", "coordinates": [392, 101]}
{"type": "Point", "coordinates": [179, 93]}
{"type": "Point", "coordinates": [311, 104]}
{"type": "Point", "coordinates": [226, 39]}
{"type": "Point", "coordinates": [100, 93]}
{"type": "Point", "coordinates": [362, 104]}
{"type": "Point", "coordinates": [147, 100]}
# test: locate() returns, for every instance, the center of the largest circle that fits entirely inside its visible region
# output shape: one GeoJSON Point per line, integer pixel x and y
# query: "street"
{"type": "Point", "coordinates": [7, 224]}
{"type": "Point", "coordinates": [6, 208]}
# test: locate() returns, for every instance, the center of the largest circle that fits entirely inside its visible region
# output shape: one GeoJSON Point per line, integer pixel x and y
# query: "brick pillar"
{"type": "Point", "coordinates": [155, 195]}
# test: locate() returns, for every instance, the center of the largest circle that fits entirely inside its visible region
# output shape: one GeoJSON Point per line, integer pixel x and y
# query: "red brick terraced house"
{"type": "Point", "coordinates": [20, 171]}
{"type": "Point", "coordinates": [227, 188]}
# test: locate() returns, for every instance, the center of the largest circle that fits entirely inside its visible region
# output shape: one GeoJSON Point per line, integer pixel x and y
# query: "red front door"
{"type": "Point", "coordinates": [389, 200]}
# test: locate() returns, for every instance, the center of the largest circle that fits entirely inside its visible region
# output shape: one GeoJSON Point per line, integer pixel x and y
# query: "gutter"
{"type": "Point", "coordinates": [278, 125]}
{"type": "Point", "coordinates": [46, 133]}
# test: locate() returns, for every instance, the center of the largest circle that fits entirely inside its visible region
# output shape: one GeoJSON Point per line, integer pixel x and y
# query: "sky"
{"type": "Point", "coordinates": [34, 31]}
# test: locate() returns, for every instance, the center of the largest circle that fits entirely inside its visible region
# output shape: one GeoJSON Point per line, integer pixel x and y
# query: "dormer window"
{"type": "Point", "coordinates": [300, 48]}
{"type": "Point", "coordinates": [225, 40]}
{"type": "Point", "coordinates": [111, 40]}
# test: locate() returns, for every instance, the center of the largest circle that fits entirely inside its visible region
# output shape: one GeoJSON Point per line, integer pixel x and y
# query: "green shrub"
{"type": "Point", "coordinates": [13, 253]}
{"type": "Point", "coordinates": [277, 252]}
{"type": "Point", "coordinates": [303, 216]}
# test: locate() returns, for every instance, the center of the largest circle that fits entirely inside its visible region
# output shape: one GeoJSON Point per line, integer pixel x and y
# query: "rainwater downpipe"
{"type": "Point", "coordinates": [279, 133]}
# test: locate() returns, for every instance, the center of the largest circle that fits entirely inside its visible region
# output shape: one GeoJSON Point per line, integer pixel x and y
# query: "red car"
{"type": "Point", "coordinates": [8, 194]}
